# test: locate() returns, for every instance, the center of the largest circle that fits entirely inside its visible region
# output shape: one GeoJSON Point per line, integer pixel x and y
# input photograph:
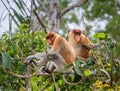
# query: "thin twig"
{"type": "Point", "coordinates": [24, 3]}
{"type": "Point", "coordinates": [112, 67]}
{"type": "Point", "coordinates": [42, 5]}
{"type": "Point", "coordinates": [43, 88]}
{"type": "Point", "coordinates": [10, 13]}
{"type": "Point", "coordinates": [31, 13]}
{"type": "Point", "coordinates": [106, 73]}
{"type": "Point", "coordinates": [39, 20]}
{"type": "Point", "coordinates": [85, 25]}
{"type": "Point", "coordinates": [54, 81]}
{"type": "Point", "coordinates": [22, 76]}
{"type": "Point", "coordinates": [94, 58]}
{"type": "Point", "coordinates": [73, 83]}
{"type": "Point", "coordinates": [32, 39]}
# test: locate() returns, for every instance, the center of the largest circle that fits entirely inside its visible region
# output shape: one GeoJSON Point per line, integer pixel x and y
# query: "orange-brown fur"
{"type": "Point", "coordinates": [82, 45]}
{"type": "Point", "coordinates": [61, 46]}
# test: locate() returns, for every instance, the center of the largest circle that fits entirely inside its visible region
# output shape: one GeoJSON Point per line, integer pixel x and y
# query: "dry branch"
{"type": "Point", "coordinates": [85, 25]}
{"type": "Point", "coordinates": [22, 76]}
{"type": "Point", "coordinates": [77, 4]}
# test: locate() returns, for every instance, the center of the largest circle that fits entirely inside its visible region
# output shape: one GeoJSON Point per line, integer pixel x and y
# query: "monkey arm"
{"type": "Point", "coordinates": [89, 45]}
{"type": "Point", "coordinates": [55, 63]}
{"type": "Point", "coordinates": [43, 59]}
{"type": "Point", "coordinates": [39, 56]}
{"type": "Point", "coordinates": [56, 58]}
{"type": "Point", "coordinates": [58, 61]}
{"type": "Point", "coordinates": [41, 62]}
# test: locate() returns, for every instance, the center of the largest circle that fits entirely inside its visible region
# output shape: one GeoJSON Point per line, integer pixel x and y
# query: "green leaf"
{"type": "Point", "coordinates": [60, 82]}
{"type": "Point", "coordinates": [51, 88]}
{"type": "Point", "coordinates": [6, 60]}
{"type": "Point", "coordinates": [78, 68]}
{"type": "Point", "coordinates": [34, 83]}
{"type": "Point", "coordinates": [23, 27]}
{"type": "Point", "coordinates": [87, 72]}
{"type": "Point", "coordinates": [42, 33]}
{"type": "Point", "coordinates": [22, 68]}
{"type": "Point", "coordinates": [66, 67]}
{"type": "Point", "coordinates": [100, 36]}
{"type": "Point", "coordinates": [78, 71]}
{"type": "Point", "coordinates": [5, 36]}
{"type": "Point", "coordinates": [89, 61]}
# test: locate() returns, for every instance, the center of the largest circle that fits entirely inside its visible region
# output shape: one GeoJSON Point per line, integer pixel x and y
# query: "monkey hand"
{"type": "Point", "coordinates": [29, 60]}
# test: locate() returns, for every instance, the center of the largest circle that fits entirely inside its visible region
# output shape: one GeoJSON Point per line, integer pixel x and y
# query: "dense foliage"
{"type": "Point", "coordinates": [102, 71]}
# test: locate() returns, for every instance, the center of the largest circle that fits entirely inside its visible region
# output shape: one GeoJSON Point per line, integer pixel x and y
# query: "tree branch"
{"type": "Point", "coordinates": [85, 25]}
{"type": "Point", "coordinates": [42, 5]}
{"type": "Point", "coordinates": [79, 3]}
{"type": "Point", "coordinates": [22, 76]}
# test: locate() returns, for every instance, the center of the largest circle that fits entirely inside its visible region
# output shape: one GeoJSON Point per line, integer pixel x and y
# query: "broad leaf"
{"type": "Point", "coordinates": [87, 72]}
{"type": "Point", "coordinates": [6, 60]}
{"type": "Point", "coordinates": [78, 68]}
{"type": "Point", "coordinates": [23, 27]}
{"type": "Point", "coordinates": [66, 67]}
{"type": "Point", "coordinates": [34, 84]}
{"type": "Point", "coordinates": [100, 36]}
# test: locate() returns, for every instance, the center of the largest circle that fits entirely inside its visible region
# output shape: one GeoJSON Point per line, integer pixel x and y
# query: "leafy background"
{"type": "Point", "coordinates": [102, 71]}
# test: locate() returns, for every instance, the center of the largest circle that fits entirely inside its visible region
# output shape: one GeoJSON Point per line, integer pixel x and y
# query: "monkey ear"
{"type": "Point", "coordinates": [77, 38]}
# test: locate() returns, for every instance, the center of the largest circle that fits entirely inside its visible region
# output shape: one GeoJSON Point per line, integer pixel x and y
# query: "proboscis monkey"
{"type": "Point", "coordinates": [82, 45]}
{"type": "Point", "coordinates": [61, 47]}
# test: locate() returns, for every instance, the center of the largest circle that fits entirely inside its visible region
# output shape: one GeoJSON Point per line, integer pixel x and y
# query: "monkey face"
{"type": "Point", "coordinates": [50, 37]}
{"type": "Point", "coordinates": [50, 42]}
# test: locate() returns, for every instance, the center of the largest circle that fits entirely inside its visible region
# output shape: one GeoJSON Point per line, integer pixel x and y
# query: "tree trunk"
{"type": "Point", "coordinates": [53, 22]}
